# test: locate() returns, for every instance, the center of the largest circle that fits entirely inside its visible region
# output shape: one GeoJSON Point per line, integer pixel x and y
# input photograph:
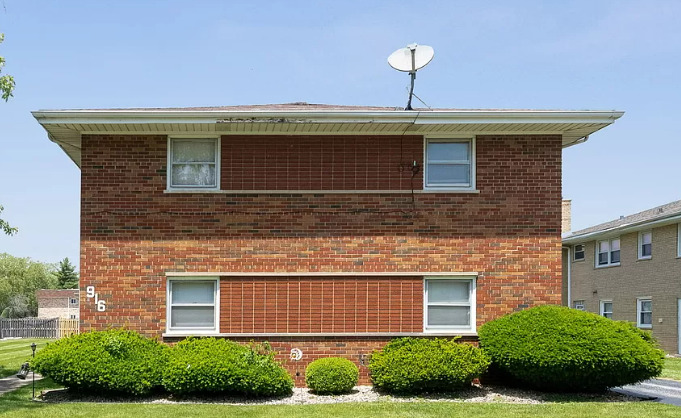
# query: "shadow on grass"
{"type": "Point", "coordinates": [20, 399]}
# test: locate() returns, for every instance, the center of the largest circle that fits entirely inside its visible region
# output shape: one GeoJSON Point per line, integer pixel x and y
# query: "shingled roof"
{"type": "Point", "coordinates": [635, 221]}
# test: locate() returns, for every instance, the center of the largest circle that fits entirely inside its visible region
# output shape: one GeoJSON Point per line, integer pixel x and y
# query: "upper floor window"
{"type": "Point", "coordinates": [74, 301]}
{"type": "Point", "coordinates": [608, 253]}
{"type": "Point", "coordinates": [450, 304]}
{"type": "Point", "coordinates": [678, 244]}
{"type": "Point", "coordinates": [193, 163]}
{"type": "Point", "coordinates": [449, 164]}
{"type": "Point", "coordinates": [645, 245]}
{"type": "Point", "coordinates": [579, 252]}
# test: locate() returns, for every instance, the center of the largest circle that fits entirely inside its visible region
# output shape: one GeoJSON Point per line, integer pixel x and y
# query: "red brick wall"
{"type": "Point", "coordinates": [132, 233]}
{"type": "Point", "coordinates": [318, 304]}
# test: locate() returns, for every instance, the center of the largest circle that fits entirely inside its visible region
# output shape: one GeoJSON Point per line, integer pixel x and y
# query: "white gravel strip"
{"type": "Point", "coordinates": [303, 396]}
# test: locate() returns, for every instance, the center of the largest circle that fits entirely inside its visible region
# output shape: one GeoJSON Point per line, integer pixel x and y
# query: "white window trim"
{"type": "Point", "coordinates": [169, 163]}
{"type": "Point", "coordinates": [193, 331]}
{"type": "Point", "coordinates": [574, 253]}
{"type": "Point", "coordinates": [610, 263]}
{"type": "Point", "coordinates": [453, 187]}
{"type": "Point", "coordinates": [639, 303]}
{"type": "Point", "coordinates": [678, 243]}
{"type": "Point", "coordinates": [640, 245]}
{"type": "Point", "coordinates": [472, 304]}
{"type": "Point", "coordinates": [602, 310]}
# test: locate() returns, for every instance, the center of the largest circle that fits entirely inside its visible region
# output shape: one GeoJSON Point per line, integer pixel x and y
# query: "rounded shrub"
{"type": "Point", "coordinates": [113, 361]}
{"type": "Point", "coordinates": [209, 365]}
{"type": "Point", "coordinates": [556, 348]}
{"type": "Point", "coordinates": [331, 375]}
{"type": "Point", "coordinates": [417, 365]}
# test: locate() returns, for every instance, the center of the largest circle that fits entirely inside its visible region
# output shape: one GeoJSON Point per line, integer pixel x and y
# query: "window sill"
{"type": "Point", "coordinates": [187, 333]}
{"type": "Point", "coordinates": [322, 334]}
{"type": "Point", "coordinates": [579, 261]}
{"type": "Point", "coordinates": [424, 191]}
{"type": "Point", "coordinates": [645, 258]}
{"type": "Point", "coordinates": [608, 265]}
{"type": "Point", "coordinates": [644, 326]}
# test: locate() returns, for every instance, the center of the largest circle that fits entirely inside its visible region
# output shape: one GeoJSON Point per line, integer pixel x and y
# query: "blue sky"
{"type": "Point", "coordinates": [623, 55]}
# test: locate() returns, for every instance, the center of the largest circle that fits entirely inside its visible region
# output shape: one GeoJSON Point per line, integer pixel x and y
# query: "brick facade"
{"type": "Point", "coordinates": [133, 233]}
{"type": "Point", "coordinates": [57, 303]}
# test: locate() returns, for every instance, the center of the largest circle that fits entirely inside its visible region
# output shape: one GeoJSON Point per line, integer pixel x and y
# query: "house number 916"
{"type": "Point", "coordinates": [99, 303]}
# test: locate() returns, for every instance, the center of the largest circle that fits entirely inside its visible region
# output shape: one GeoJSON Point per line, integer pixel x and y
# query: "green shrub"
{"type": "Point", "coordinates": [556, 348]}
{"type": "Point", "coordinates": [331, 375]}
{"type": "Point", "coordinates": [117, 361]}
{"type": "Point", "coordinates": [417, 365]}
{"type": "Point", "coordinates": [209, 365]}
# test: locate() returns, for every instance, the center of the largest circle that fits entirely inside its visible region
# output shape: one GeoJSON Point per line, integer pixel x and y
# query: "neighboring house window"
{"type": "Point", "coordinates": [579, 305]}
{"type": "Point", "coordinates": [450, 304]}
{"type": "Point", "coordinates": [608, 252]}
{"type": "Point", "coordinates": [73, 316]}
{"type": "Point", "coordinates": [645, 245]}
{"type": "Point", "coordinates": [579, 252]}
{"type": "Point", "coordinates": [678, 239]}
{"type": "Point", "coordinates": [192, 305]}
{"type": "Point", "coordinates": [74, 301]}
{"type": "Point", "coordinates": [644, 313]}
{"type": "Point", "coordinates": [606, 308]}
{"type": "Point", "coordinates": [450, 164]}
{"type": "Point", "coordinates": [193, 163]}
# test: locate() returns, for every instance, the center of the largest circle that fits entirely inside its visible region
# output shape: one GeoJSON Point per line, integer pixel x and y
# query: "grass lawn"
{"type": "Point", "coordinates": [15, 352]}
{"type": "Point", "coordinates": [672, 368]}
{"type": "Point", "coordinates": [18, 404]}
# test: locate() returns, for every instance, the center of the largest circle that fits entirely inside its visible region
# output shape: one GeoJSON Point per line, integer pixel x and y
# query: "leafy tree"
{"type": "Point", "coordinates": [4, 226]}
{"type": "Point", "coordinates": [19, 280]}
{"type": "Point", "coordinates": [67, 278]}
{"type": "Point", "coordinates": [6, 81]}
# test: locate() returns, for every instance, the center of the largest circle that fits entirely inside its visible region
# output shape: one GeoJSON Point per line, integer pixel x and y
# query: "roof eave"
{"type": "Point", "coordinates": [622, 229]}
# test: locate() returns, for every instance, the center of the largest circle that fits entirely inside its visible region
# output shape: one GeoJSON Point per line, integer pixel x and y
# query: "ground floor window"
{"type": "Point", "coordinates": [606, 308]}
{"type": "Point", "coordinates": [578, 304]}
{"type": "Point", "coordinates": [644, 313]}
{"type": "Point", "coordinates": [449, 304]}
{"type": "Point", "coordinates": [192, 305]}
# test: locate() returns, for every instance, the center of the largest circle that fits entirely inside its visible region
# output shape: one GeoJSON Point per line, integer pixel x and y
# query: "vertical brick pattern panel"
{"type": "Point", "coordinates": [320, 304]}
{"type": "Point", "coordinates": [132, 233]}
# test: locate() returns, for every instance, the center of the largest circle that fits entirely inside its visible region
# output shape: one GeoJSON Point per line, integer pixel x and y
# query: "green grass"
{"type": "Point", "coordinates": [18, 404]}
{"type": "Point", "coordinates": [672, 368]}
{"type": "Point", "coordinates": [13, 353]}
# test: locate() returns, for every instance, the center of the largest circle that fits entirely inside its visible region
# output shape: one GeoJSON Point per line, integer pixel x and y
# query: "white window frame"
{"type": "Point", "coordinates": [598, 248]}
{"type": "Point", "coordinates": [169, 170]}
{"type": "Point", "coordinates": [639, 311]}
{"type": "Point", "coordinates": [216, 303]}
{"type": "Point", "coordinates": [678, 239]}
{"type": "Point", "coordinates": [579, 305]}
{"type": "Point", "coordinates": [471, 329]}
{"type": "Point", "coordinates": [640, 245]}
{"type": "Point", "coordinates": [471, 163]}
{"type": "Point", "coordinates": [602, 310]}
{"type": "Point", "coordinates": [574, 252]}
{"type": "Point", "coordinates": [73, 301]}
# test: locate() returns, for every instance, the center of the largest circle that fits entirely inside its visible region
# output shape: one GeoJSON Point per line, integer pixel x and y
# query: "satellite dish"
{"type": "Point", "coordinates": [412, 58]}
{"type": "Point", "coordinates": [409, 60]}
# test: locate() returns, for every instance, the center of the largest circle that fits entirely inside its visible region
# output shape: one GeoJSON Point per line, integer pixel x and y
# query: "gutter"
{"type": "Point", "coordinates": [569, 275]}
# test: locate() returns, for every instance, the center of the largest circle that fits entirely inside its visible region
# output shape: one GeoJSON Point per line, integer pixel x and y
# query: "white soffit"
{"type": "Point", "coordinates": [65, 127]}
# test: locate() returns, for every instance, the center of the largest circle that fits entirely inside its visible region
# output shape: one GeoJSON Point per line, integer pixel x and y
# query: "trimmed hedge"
{"type": "Point", "coordinates": [209, 365]}
{"type": "Point", "coordinates": [331, 375]}
{"type": "Point", "coordinates": [417, 365]}
{"type": "Point", "coordinates": [556, 348]}
{"type": "Point", "coordinates": [116, 361]}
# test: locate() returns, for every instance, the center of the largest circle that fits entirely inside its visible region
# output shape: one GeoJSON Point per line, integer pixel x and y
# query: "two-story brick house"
{"type": "Point", "coordinates": [630, 269]}
{"type": "Point", "coordinates": [330, 229]}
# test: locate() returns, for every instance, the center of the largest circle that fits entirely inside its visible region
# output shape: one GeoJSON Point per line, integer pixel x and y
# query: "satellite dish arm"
{"type": "Point", "coordinates": [412, 73]}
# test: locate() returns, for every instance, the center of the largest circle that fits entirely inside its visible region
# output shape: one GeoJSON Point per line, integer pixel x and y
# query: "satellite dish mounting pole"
{"type": "Point", "coordinates": [412, 73]}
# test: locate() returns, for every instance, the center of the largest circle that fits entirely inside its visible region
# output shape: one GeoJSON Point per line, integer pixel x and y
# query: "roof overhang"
{"type": "Point", "coordinates": [65, 127]}
{"type": "Point", "coordinates": [622, 229]}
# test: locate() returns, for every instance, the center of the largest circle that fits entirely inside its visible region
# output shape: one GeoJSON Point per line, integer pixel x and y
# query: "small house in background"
{"type": "Point", "coordinates": [325, 230]}
{"type": "Point", "coordinates": [58, 303]}
{"type": "Point", "coordinates": [630, 269]}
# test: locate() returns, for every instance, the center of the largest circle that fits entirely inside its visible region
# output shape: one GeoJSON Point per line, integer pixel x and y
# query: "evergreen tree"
{"type": "Point", "coordinates": [67, 278]}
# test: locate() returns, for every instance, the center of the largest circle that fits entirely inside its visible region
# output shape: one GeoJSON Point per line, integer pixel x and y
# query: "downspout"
{"type": "Point", "coordinates": [569, 277]}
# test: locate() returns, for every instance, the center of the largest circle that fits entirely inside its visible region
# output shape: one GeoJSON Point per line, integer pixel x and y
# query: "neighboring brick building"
{"type": "Point", "coordinates": [325, 228]}
{"type": "Point", "coordinates": [58, 303]}
{"type": "Point", "coordinates": [630, 269]}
